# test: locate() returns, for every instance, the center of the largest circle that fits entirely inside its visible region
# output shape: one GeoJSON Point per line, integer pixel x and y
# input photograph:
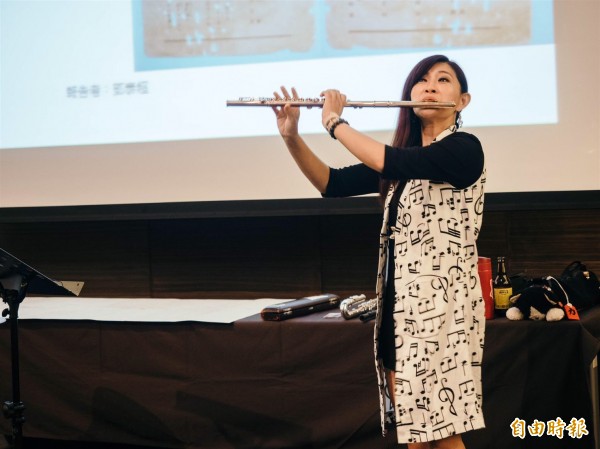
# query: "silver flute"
{"type": "Point", "coordinates": [318, 103]}
{"type": "Point", "coordinates": [357, 305]}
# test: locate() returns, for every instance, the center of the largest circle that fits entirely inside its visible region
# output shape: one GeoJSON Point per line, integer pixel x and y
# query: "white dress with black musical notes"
{"type": "Point", "coordinates": [438, 311]}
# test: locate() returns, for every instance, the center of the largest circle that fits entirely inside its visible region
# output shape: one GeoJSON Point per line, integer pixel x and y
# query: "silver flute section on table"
{"type": "Point", "coordinates": [357, 305]}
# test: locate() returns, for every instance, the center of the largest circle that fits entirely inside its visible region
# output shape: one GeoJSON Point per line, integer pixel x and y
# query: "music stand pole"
{"type": "Point", "coordinates": [16, 279]}
{"type": "Point", "coordinates": [13, 291]}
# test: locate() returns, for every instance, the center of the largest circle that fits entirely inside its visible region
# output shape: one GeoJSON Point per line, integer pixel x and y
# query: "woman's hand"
{"type": "Point", "coordinates": [287, 116]}
{"type": "Point", "coordinates": [311, 166]}
{"type": "Point", "coordinates": [333, 105]}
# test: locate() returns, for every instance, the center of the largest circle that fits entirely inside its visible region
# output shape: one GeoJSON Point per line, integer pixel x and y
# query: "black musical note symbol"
{"type": "Point", "coordinates": [453, 248]}
{"type": "Point", "coordinates": [459, 315]}
{"type": "Point", "coordinates": [414, 267]}
{"type": "Point", "coordinates": [423, 403]}
{"type": "Point", "coordinates": [429, 382]}
{"type": "Point", "coordinates": [416, 197]}
{"type": "Point", "coordinates": [402, 248]}
{"type": "Point", "coordinates": [479, 205]}
{"type": "Point", "coordinates": [446, 394]}
{"type": "Point", "coordinates": [449, 363]}
{"type": "Point", "coordinates": [405, 416]}
{"type": "Point", "coordinates": [467, 388]}
{"type": "Point", "coordinates": [421, 367]}
{"type": "Point", "coordinates": [428, 210]}
{"type": "Point", "coordinates": [417, 436]}
{"type": "Point", "coordinates": [468, 423]}
{"type": "Point", "coordinates": [431, 347]}
{"type": "Point", "coordinates": [405, 219]}
{"type": "Point", "coordinates": [457, 338]}
{"type": "Point", "coordinates": [437, 418]}
{"type": "Point", "coordinates": [437, 261]}
{"type": "Point", "coordinates": [464, 364]}
{"type": "Point", "coordinates": [444, 431]}
{"type": "Point", "coordinates": [403, 387]}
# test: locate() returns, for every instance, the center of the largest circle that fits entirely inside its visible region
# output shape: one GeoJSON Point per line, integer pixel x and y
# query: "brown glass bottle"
{"type": "Point", "coordinates": [502, 288]}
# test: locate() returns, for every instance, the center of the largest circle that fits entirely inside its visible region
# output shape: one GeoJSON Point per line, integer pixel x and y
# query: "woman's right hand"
{"type": "Point", "coordinates": [287, 116]}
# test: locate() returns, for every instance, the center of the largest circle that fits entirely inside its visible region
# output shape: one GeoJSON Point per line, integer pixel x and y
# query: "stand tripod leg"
{"type": "Point", "coordinates": [15, 277]}
{"type": "Point", "coordinates": [15, 409]}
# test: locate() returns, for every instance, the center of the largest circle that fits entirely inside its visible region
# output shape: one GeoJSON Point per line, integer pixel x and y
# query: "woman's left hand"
{"type": "Point", "coordinates": [334, 102]}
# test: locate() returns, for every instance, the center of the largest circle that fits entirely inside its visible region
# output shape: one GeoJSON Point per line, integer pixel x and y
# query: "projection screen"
{"type": "Point", "coordinates": [118, 102]}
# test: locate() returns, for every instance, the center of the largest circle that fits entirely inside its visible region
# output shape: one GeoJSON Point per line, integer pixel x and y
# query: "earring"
{"type": "Point", "coordinates": [459, 121]}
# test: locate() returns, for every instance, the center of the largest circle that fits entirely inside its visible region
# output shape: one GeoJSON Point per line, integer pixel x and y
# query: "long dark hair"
{"type": "Point", "coordinates": [408, 129]}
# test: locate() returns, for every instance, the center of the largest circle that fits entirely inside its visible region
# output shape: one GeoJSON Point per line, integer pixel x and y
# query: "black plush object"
{"type": "Point", "coordinates": [537, 302]}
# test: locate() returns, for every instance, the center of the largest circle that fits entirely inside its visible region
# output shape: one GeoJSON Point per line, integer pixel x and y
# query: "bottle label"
{"type": "Point", "coordinates": [502, 298]}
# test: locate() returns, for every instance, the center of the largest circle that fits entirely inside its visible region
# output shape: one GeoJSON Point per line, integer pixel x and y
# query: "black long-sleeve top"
{"type": "Point", "coordinates": [457, 159]}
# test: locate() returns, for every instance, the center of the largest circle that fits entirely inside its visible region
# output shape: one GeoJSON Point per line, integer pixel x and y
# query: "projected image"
{"type": "Point", "coordinates": [195, 33]}
{"type": "Point", "coordinates": [130, 71]}
{"type": "Point", "coordinates": [221, 28]}
{"type": "Point", "coordinates": [427, 23]}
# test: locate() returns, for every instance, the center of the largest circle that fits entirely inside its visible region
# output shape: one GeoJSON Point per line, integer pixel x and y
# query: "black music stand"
{"type": "Point", "coordinates": [16, 280]}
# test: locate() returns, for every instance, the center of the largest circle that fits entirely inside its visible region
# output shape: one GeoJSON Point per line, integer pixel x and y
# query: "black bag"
{"type": "Point", "coordinates": [581, 284]}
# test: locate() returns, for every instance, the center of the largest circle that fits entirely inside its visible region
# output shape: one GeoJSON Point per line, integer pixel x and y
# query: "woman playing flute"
{"type": "Point", "coordinates": [429, 328]}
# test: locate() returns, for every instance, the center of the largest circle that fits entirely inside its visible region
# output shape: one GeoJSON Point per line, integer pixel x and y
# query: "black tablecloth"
{"type": "Point", "coordinates": [308, 382]}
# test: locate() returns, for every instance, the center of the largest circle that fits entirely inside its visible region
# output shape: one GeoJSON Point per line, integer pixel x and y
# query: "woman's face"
{"type": "Point", "coordinates": [439, 84]}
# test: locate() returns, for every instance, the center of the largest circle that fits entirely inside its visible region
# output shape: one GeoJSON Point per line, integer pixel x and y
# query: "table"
{"type": "Point", "coordinates": [308, 382]}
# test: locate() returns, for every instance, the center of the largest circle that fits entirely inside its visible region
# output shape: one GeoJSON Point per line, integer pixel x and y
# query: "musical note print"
{"type": "Point", "coordinates": [426, 305]}
{"type": "Point", "coordinates": [427, 246]}
{"type": "Point", "coordinates": [464, 215]}
{"type": "Point", "coordinates": [447, 197]}
{"type": "Point", "coordinates": [421, 367]}
{"type": "Point", "coordinates": [466, 388]}
{"type": "Point", "coordinates": [450, 226]}
{"type": "Point", "coordinates": [437, 261]}
{"type": "Point", "coordinates": [423, 403]}
{"type": "Point", "coordinates": [459, 315]}
{"type": "Point", "coordinates": [436, 418]}
{"type": "Point", "coordinates": [468, 251]}
{"type": "Point", "coordinates": [449, 363]}
{"type": "Point", "coordinates": [403, 387]}
{"type": "Point", "coordinates": [417, 436]}
{"type": "Point", "coordinates": [404, 220]}
{"type": "Point", "coordinates": [468, 422]}
{"type": "Point", "coordinates": [457, 338]}
{"type": "Point", "coordinates": [446, 394]}
{"type": "Point", "coordinates": [428, 211]}
{"type": "Point", "coordinates": [438, 310]}
{"type": "Point", "coordinates": [425, 327]}
{"type": "Point", "coordinates": [453, 248]}
{"type": "Point", "coordinates": [444, 431]}
{"type": "Point", "coordinates": [404, 416]}
{"type": "Point", "coordinates": [431, 347]}
{"type": "Point", "coordinates": [429, 383]}
{"type": "Point", "coordinates": [413, 351]}
{"type": "Point", "coordinates": [414, 267]}
{"type": "Point", "coordinates": [401, 249]}
{"type": "Point", "coordinates": [421, 231]}
{"type": "Point", "coordinates": [416, 197]}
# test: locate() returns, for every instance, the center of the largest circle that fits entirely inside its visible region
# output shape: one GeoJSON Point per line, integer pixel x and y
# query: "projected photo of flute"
{"type": "Point", "coordinates": [318, 103]}
{"type": "Point", "coordinates": [200, 33]}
